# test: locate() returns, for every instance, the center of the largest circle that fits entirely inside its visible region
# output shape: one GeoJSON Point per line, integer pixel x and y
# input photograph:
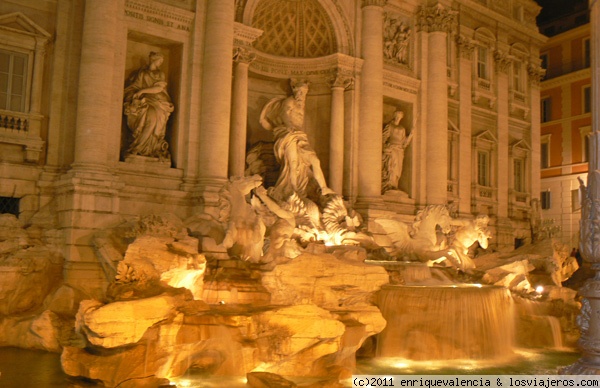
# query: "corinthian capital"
{"type": "Point", "coordinates": [340, 81]}
{"type": "Point", "coordinates": [436, 18]}
{"type": "Point", "coordinates": [536, 73]}
{"type": "Point", "coordinates": [502, 61]}
{"type": "Point", "coordinates": [466, 46]}
{"type": "Point", "coordinates": [243, 55]}
{"type": "Point", "coordinates": [377, 3]}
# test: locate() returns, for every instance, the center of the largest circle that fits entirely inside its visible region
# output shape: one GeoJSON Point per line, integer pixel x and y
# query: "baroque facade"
{"type": "Point", "coordinates": [81, 150]}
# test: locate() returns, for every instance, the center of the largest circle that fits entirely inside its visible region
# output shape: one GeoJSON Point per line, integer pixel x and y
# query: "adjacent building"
{"type": "Point", "coordinates": [565, 121]}
{"type": "Point", "coordinates": [78, 153]}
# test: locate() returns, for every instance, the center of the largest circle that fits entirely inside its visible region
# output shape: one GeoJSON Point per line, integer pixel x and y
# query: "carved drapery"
{"type": "Point", "coordinates": [436, 18]}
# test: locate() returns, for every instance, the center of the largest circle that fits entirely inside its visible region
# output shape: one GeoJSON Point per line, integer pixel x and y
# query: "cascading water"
{"type": "Point", "coordinates": [446, 322]}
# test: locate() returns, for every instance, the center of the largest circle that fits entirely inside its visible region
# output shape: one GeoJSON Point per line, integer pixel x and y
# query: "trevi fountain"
{"type": "Point", "coordinates": [285, 285]}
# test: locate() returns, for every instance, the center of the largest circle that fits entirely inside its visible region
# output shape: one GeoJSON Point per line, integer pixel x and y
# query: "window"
{"type": "Point", "coordinates": [13, 78]}
{"type": "Point", "coordinates": [586, 53]}
{"type": "Point", "coordinates": [9, 205]}
{"type": "Point", "coordinates": [544, 61]}
{"type": "Point", "coordinates": [587, 99]}
{"type": "Point", "coordinates": [546, 109]}
{"type": "Point", "coordinates": [517, 73]}
{"type": "Point", "coordinates": [545, 199]}
{"type": "Point", "coordinates": [483, 168]}
{"type": "Point", "coordinates": [545, 155]}
{"type": "Point", "coordinates": [585, 143]}
{"type": "Point", "coordinates": [482, 63]}
{"type": "Point", "coordinates": [519, 175]}
{"type": "Point", "coordinates": [575, 200]}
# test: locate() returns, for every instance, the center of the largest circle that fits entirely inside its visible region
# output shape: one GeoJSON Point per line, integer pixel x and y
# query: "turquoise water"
{"type": "Point", "coordinates": [21, 368]}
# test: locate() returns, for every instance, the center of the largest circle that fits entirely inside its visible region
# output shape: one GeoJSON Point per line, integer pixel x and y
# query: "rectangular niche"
{"type": "Point", "coordinates": [390, 105]}
{"type": "Point", "coordinates": [139, 46]}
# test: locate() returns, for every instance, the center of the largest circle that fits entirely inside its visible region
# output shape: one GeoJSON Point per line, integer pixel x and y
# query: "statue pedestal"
{"type": "Point", "coordinates": [138, 159]}
{"type": "Point", "coordinates": [399, 202]}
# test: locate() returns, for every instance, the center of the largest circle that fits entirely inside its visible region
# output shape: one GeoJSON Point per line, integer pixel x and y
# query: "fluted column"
{"type": "Point", "coordinates": [336, 133]}
{"type": "Point", "coordinates": [503, 170]}
{"type": "Point", "coordinates": [535, 75]}
{"type": "Point", "coordinates": [466, 47]}
{"type": "Point", "coordinates": [436, 20]}
{"type": "Point", "coordinates": [216, 93]}
{"type": "Point", "coordinates": [95, 80]}
{"type": "Point", "coordinates": [371, 102]}
{"type": "Point", "coordinates": [239, 112]}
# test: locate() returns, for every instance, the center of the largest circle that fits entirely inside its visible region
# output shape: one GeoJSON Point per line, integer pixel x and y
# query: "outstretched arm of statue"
{"type": "Point", "coordinates": [156, 88]}
{"type": "Point", "coordinates": [261, 192]}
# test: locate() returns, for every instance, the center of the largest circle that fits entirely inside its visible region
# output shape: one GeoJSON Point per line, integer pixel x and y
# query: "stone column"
{"type": "Point", "coordinates": [371, 103]}
{"type": "Point", "coordinates": [504, 231]}
{"type": "Point", "coordinates": [503, 166]}
{"type": "Point", "coordinates": [243, 55]}
{"type": "Point", "coordinates": [216, 96]}
{"type": "Point", "coordinates": [466, 47]}
{"type": "Point", "coordinates": [436, 20]}
{"type": "Point", "coordinates": [589, 318]}
{"type": "Point", "coordinates": [336, 133]}
{"type": "Point", "coordinates": [239, 112]}
{"type": "Point", "coordinates": [95, 93]}
{"type": "Point", "coordinates": [89, 192]}
{"type": "Point", "coordinates": [536, 74]}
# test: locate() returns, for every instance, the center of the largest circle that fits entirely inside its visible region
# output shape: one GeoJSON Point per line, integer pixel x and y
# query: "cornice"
{"type": "Point", "coordinates": [376, 3]}
{"type": "Point", "coordinates": [502, 20]}
{"type": "Point", "coordinates": [399, 81]}
{"type": "Point", "coordinates": [329, 66]}
{"type": "Point", "coordinates": [566, 79]}
{"type": "Point", "coordinates": [244, 35]}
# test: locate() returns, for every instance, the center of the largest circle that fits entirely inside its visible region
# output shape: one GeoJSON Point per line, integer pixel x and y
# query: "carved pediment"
{"type": "Point", "coordinates": [520, 145]}
{"type": "Point", "coordinates": [20, 23]}
{"type": "Point", "coordinates": [486, 135]}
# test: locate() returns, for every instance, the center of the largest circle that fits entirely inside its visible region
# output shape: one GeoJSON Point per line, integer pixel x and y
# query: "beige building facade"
{"type": "Point", "coordinates": [81, 150]}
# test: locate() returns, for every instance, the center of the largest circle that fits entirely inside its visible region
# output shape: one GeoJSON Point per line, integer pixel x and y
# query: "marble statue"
{"type": "Point", "coordinates": [395, 142]}
{"type": "Point", "coordinates": [469, 233]}
{"type": "Point", "coordinates": [299, 162]}
{"type": "Point", "coordinates": [415, 241]}
{"type": "Point", "coordinates": [148, 106]}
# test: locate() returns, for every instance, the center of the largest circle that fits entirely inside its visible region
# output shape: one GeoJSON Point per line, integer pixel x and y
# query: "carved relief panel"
{"type": "Point", "coordinates": [397, 40]}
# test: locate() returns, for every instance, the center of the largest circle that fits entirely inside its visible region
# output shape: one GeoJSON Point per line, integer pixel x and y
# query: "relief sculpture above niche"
{"type": "Point", "coordinates": [147, 107]}
{"type": "Point", "coordinates": [396, 40]}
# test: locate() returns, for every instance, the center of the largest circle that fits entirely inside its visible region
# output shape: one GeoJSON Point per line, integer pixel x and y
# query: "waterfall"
{"type": "Point", "coordinates": [446, 322]}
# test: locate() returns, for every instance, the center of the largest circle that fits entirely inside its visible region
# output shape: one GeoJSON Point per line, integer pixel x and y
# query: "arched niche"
{"type": "Point", "coordinates": [334, 12]}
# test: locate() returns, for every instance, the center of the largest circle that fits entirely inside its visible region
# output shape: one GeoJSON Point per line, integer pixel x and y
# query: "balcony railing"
{"type": "Point", "coordinates": [14, 122]}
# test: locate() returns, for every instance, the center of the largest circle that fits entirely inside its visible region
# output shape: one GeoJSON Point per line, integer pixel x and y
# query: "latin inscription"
{"type": "Point", "coordinates": [157, 20]}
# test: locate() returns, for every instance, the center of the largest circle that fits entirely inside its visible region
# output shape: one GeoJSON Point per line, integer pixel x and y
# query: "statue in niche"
{"type": "Point", "coordinates": [395, 142]}
{"type": "Point", "coordinates": [148, 106]}
{"type": "Point", "coordinates": [299, 162]}
{"type": "Point", "coordinates": [396, 38]}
